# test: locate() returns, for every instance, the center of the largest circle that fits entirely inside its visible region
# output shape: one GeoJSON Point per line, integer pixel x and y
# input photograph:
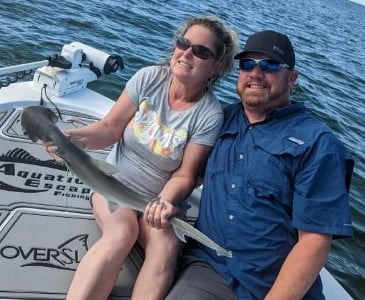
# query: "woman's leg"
{"type": "Point", "coordinates": [157, 273]}
{"type": "Point", "coordinates": [100, 267]}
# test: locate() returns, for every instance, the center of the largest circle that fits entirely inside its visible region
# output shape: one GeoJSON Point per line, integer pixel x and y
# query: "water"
{"type": "Point", "coordinates": [329, 37]}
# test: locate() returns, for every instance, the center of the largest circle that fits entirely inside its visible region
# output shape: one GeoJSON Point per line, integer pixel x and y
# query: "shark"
{"type": "Point", "coordinates": [39, 124]}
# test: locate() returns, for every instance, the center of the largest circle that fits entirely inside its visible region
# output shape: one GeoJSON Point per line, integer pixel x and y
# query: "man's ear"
{"type": "Point", "coordinates": [293, 76]}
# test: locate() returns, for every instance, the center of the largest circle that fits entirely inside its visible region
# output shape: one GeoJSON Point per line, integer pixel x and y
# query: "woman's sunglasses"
{"type": "Point", "coordinates": [199, 51]}
{"type": "Point", "coordinates": [266, 65]}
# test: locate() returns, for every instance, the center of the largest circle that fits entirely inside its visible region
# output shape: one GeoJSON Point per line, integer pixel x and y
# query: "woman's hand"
{"type": "Point", "coordinates": [158, 213]}
{"type": "Point", "coordinates": [51, 148]}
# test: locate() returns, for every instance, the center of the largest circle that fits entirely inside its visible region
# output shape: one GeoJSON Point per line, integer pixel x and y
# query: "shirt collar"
{"type": "Point", "coordinates": [235, 118]}
{"type": "Point", "coordinates": [279, 113]}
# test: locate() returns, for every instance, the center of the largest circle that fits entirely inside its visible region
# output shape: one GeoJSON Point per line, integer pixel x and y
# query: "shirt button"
{"type": "Point", "coordinates": [241, 156]}
{"type": "Point", "coordinates": [250, 127]}
{"type": "Point", "coordinates": [233, 185]}
{"type": "Point", "coordinates": [231, 217]}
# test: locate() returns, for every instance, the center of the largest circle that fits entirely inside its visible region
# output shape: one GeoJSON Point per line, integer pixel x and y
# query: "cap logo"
{"type": "Point", "coordinates": [277, 49]}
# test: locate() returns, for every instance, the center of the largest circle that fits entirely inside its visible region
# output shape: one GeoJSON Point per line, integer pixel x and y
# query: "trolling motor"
{"type": "Point", "coordinates": [77, 65]}
{"type": "Point", "coordinates": [99, 62]}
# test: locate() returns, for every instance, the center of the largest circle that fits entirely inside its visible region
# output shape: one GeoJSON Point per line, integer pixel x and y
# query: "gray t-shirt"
{"type": "Point", "coordinates": [154, 140]}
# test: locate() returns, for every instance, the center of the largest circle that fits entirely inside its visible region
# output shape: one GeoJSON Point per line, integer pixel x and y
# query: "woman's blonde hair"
{"type": "Point", "coordinates": [226, 45]}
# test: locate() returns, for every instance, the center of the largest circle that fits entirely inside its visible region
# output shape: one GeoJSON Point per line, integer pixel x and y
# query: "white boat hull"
{"type": "Point", "coordinates": [46, 223]}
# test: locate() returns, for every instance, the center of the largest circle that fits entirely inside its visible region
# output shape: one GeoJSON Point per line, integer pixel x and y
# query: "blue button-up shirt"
{"type": "Point", "coordinates": [264, 182]}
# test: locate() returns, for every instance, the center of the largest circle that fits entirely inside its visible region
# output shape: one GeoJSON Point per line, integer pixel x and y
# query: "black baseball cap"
{"type": "Point", "coordinates": [271, 43]}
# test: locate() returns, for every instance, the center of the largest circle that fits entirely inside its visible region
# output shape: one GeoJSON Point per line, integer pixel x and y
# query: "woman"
{"type": "Point", "coordinates": [164, 123]}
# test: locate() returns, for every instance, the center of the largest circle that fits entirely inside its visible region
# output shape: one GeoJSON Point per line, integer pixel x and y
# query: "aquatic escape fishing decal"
{"type": "Point", "coordinates": [66, 256]}
{"type": "Point", "coordinates": [21, 172]}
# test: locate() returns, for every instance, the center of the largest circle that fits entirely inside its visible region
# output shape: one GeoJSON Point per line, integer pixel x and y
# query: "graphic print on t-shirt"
{"type": "Point", "coordinates": [158, 136]}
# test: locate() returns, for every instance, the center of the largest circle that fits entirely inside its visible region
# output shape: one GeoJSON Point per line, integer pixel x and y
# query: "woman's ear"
{"type": "Point", "coordinates": [218, 67]}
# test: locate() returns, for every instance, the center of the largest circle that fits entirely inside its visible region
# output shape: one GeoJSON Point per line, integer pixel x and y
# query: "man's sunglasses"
{"type": "Point", "coordinates": [266, 65]}
{"type": "Point", "coordinates": [199, 51]}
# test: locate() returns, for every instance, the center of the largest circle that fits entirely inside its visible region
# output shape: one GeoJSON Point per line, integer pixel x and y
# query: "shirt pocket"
{"type": "Point", "coordinates": [271, 168]}
{"type": "Point", "coordinates": [275, 161]}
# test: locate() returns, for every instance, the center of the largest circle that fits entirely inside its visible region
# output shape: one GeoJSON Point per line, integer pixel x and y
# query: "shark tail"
{"type": "Point", "coordinates": [183, 229]}
{"type": "Point", "coordinates": [223, 252]}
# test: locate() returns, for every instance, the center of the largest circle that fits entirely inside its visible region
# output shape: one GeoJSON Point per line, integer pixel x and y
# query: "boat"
{"type": "Point", "coordinates": [46, 222]}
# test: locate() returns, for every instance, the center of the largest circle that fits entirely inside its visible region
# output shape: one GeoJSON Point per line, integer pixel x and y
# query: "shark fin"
{"type": "Point", "coordinates": [179, 233]}
{"type": "Point", "coordinates": [112, 206]}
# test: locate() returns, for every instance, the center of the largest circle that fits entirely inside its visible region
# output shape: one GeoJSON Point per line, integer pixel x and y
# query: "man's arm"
{"type": "Point", "coordinates": [301, 267]}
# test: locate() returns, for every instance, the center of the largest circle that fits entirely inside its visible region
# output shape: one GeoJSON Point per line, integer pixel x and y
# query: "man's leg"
{"type": "Point", "coordinates": [197, 280]}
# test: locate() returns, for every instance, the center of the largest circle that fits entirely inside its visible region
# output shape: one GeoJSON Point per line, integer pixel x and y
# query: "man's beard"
{"type": "Point", "coordinates": [255, 100]}
{"type": "Point", "coordinates": [261, 100]}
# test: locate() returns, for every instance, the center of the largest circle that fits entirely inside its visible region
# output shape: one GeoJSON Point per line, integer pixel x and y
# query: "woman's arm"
{"type": "Point", "coordinates": [102, 133]}
{"type": "Point", "coordinates": [180, 185]}
{"type": "Point", "coordinates": [109, 129]}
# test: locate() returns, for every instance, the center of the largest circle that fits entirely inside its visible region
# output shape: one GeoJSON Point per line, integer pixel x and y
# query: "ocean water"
{"type": "Point", "coordinates": [328, 35]}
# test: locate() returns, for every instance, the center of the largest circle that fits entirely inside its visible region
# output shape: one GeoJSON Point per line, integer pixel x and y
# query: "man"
{"type": "Point", "coordinates": [275, 189]}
